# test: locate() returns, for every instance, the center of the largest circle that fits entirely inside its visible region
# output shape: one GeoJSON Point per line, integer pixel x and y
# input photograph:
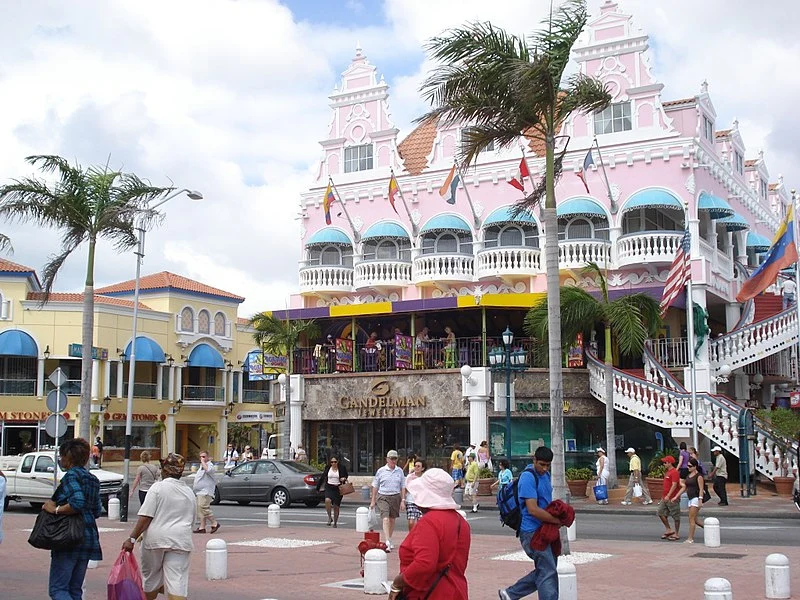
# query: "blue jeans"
{"type": "Point", "coordinates": [66, 576]}
{"type": "Point", "coordinates": [543, 578]}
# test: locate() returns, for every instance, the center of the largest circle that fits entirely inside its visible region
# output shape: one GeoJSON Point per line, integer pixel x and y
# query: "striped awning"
{"type": "Point", "coordinates": [735, 222]}
{"type": "Point", "coordinates": [652, 198]}
{"type": "Point", "coordinates": [384, 230]}
{"type": "Point", "coordinates": [758, 242]}
{"type": "Point", "coordinates": [446, 223]}
{"type": "Point", "coordinates": [505, 215]}
{"type": "Point", "coordinates": [583, 207]}
{"type": "Point", "coordinates": [716, 207]}
{"type": "Point", "coordinates": [329, 235]}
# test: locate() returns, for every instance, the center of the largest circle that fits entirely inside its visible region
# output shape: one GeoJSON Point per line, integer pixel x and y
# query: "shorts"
{"type": "Point", "coordinates": [412, 511]}
{"type": "Point", "coordinates": [669, 509]}
{"type": "Point", "coordinates": [457, 474]}
{"type": "Point", "coordinates": [694, 502]}
{"type": "Point", "coordinates": [388, 506]}
{"type": "Point", "coordinates": [204, 507]}
{"type": "Point", "coordinates": [682, 473]}
{"type": "Point", "coordinates": [332, 494]}
{"type": "Point", "coordinates": [169, 568]}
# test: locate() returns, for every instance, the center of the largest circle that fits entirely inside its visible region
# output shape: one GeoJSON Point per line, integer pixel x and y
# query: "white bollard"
{"type": "Point", "coordinates": [717, 588]}
{"type": "Point", "coordinates": [711, 532]}
{"type": "Point", "coordinates": [274, 516]}
{"type": "Point", "coordinates": [113, 509]}
{"type": "Point", "coordinates": [776, 575]}
{"type": "Point", "coordinates": [375, 571]}
{"type": "Point", "coordinates": [216, 559]}
{"type": "Point", "coordinates": [362, 519]}
{"type": "Point", "coordinates": [567, 580]}
{"type": "Point", "coordinates": [572, 531]}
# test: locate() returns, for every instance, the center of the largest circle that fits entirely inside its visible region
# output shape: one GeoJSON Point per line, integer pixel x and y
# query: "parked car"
{"type": "Point", "coordinates": [280, 481]}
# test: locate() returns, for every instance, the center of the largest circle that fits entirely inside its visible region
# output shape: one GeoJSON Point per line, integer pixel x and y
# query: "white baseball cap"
{"type": "Point", "coordinates": [716, 449]}
{"type": "Point", "coordinates": [630, 451]}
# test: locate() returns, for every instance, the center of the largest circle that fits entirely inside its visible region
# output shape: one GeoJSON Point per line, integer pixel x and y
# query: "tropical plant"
{"type": "Point", "coordinates": [783, 421]}
{"type": "Point", "coordinates": [5, 243]}
{"type": "Point", "coordinates": [239, 434]}
{"type": "Point", "coordinates": [485, 473]}
{"type": "Point", "coordinates": [579, 474]}
{"type": "Point", "coordinates": [280, 337]}
{"type": "Point", "coordinates": [506, 88]}
{"type": "Point", "coordinates": [629, 320]}
{"type": "Point", "coordinates": [87, 205]}
{"type": "Point", "coordinates": [656, 468]}
{"type": "Point", "coordinates": [207, 432]}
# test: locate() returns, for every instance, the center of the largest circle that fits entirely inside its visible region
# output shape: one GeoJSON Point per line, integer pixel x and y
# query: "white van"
{"type": "Point", "coordinates": [275, 445]}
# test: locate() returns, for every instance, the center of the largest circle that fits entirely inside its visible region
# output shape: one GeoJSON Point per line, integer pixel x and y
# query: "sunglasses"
{"type": "Point", "coordinates": [333, 462]}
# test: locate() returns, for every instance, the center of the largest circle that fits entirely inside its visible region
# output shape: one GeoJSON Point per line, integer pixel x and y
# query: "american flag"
{"type": "Point", "coordinates": [678, 274]}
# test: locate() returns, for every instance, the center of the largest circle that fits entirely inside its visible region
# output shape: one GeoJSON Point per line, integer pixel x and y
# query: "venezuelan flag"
{"type": "Point", "coordinates": [326, 203]}
{"type": "Point", "coordinates": [781, 254]}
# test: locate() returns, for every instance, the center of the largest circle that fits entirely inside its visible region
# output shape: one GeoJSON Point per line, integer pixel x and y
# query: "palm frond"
{"type": "Point", "coordinates": [598, 273]}
{"type": "Point", "coordinates": [539, 192]}
{"type": "Point", "coordinates": [556, 42]}
{"type": "Point", "coordinates": [582, 93]}
{"type": "Point", "coordinates": [51, 269]}
{"type": "Point", "coordinates": [625, 320]}
{"type": "Point", "coordinates": [579, 312]}
{"type": "Point", "coordinates": [5, 243]}
{"type": "Point", "coordinates": [278, 336]}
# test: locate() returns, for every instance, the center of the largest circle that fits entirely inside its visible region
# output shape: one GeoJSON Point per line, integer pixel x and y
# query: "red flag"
{"type": "Point", "coordinates": [393, 189]}
{"type": "Point", "coordinates": [522, 174]}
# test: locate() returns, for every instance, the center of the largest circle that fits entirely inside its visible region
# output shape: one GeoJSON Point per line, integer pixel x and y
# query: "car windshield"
{"type": "Point", "coordinates": [298, 467]}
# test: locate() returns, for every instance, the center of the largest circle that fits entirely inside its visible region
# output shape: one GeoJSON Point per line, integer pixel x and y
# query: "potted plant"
{"type": "Point", "coordinates": [655, 473]}
{"type": "Point", "coordinates": [485, 480]}
{"type": "Point", "coordinates": [785, 423]}
{"type": "Point", "coordinates": [577, 480]}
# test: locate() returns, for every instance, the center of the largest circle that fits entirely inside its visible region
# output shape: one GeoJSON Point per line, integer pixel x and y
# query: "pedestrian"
{"type": "Point", "coordinates": [484, 457]}
{"type": "Point", "coordinates": [230, 458]}
{"type": "Point", "coordinates": [457, 465]}
{"type": "Point", "coordinates": [388, 495]}
{"type": "Point", "coordinates": [332, 477]}
{"type": "Point", "coordinates": [602, 471]}
{"type": "Point", "coordinates": [694, 490]}
{"type": "Point", "coordinates": [471, 451]}
{"type": "Point", "coordinates": [670, 503]}
{"type": "Point", "coordinates": [247, 455]}
{"type": "Point", "coordinates": [535, 495]}
{"type": "Point", "coordinates": [99, 443]}
{"type": "Point", "coordinates": [504, 477]}
{"type": "Point", "coordinates": [788, 290]}
{"type": "Point", "coordinates": [434, 555]}
{"type": "Point", "coordinates": [3, 482]}
{"type": "Point", "coordinates": [146, 476]}
{"type": "Point", "coordinates": [719, 474]}
{"type": "Point", "coordinates": [471, 477]}
{"type": "Point", "coordinates": [413, 512]}
{"type": "Point", "coordinates": [408, 468]}
{"type": "Point", "coordinates": [301, 456]}
{"type": "Point", "coordinates": [78, 493]}
{"type": "Point", "coordinates": [165, 526]}
{"type": "Point", "coordinates": [204, 486]}
{"type": "Point", "coordinates": [683, 460]}
{"type": "Point", "coordinates": [635, 478]}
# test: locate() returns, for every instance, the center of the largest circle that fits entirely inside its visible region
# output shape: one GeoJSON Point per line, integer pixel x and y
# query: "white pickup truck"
{"type": "Point", "coordinates": [30, 478]}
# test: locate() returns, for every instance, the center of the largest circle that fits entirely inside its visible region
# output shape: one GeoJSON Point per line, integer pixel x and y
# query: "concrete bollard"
{"type": "Point", "coordinates": [366, 492]}
{"type": "Point", "coordinates": [567, 581]}
{"type": "Point", "coordinates": [216, 559]}
{"type": "Point", "coordinates": [274, 516]}
{"type": "Point", "coordinates": [375, 571]}
{"type": "Point", "coordinates": [684, 501]}
{"type": "Point", "coordinates": [113, 509]}
{"type": "Point", "coordinates": [776, 576]}
{"type": "Point", "coordinates": [711, 536]}
{"type": "Point", "coordinates": [458, 495]}
{"type": "Point", "coordinates": [717, 588]}
{"type": "Point", "coordinates": [572, 531]}
{"type": "Point", "coordinates": [362, 519]}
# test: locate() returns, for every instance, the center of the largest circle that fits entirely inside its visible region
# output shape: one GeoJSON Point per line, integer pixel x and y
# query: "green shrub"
{"type": "Point", "coordinates": [658, 472]}
{"type": "Point", "coordinates": [655, 463]}
{"type": "Point", "coordinates": [485, 473]}
{"type": "Point", "coordinates": [576, 474]}
{"type": "Point", "coordinates": [783, 421]}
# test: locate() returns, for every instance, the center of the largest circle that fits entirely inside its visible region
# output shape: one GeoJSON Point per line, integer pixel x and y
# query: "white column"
{"type": "Point", "coordinates": [225, 386]}
{"type": "Point", "coordinates": [241, 386]}
{"type": "Point", "coordinates": [614, 234]}
{"type": "Point", "coordinates": [733, 312]}
{"type": "Point", "coordinates": [171, 385]}
{"type": "Point", "coordinates": [702, 367]}
{"type": "Point", "coordinates": [40, 378]}
{"type": "Point", "coordinates": [178, 380]}
{"type": "Point", "coordinates": [296, 402]}
{"type": "Point", "coordinates": [229, 391]}
{"type": "Point", "coordinates": [478, 422]}
{"type": "Point", "coordinates": [159, 382]}
{"type": "Point", "coordinates": [170, 431]}
{"type": "Point", "coordinates": [120, 382]}
{"type": "Point", "coordinates": [106, 378]}
{"type": "Point", "coordinates": [222, 438]}
{"type": "Point", "coordinates": [95, 379]}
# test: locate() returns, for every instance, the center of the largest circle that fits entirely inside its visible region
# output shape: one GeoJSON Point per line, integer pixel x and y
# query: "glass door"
{"type": "Point", "coordinates": [364, 447]}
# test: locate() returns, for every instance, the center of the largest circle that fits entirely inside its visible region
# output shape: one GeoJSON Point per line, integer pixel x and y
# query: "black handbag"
{"type": "Point", "coordinates": [57, 532]}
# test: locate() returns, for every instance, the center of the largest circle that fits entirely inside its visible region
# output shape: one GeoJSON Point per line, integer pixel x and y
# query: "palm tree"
{"type": "Point", "coordinates": [280, 337]}
{"type": "Point", "coordinates": [5, 243]}
{"type": "Point", "coordinates": [505, 88]}
{"type": "Point", "coordinates": [86, 204]}
{"type": "Point", "coordinates": [630, 319]}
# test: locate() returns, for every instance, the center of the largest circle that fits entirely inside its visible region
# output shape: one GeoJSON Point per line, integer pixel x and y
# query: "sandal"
{"type": "Point", "coordinates": [688, 542]}
{"type": "Point", "coordinates": [214, 528]}
{"type": "Point", "coordinates": [199, 531]}
{"type": "Point", "coordinates": [667, 535]}
{"type": "Point", "coordinates": [673, 538]}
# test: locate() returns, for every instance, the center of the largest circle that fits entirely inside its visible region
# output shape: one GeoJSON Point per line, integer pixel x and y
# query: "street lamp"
{"type": "Point", "coordinates": [507, 360]}
{"type": "Point", "coordinates": [123, 513]}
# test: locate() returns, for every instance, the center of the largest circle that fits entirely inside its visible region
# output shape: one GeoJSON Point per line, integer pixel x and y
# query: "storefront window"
{"type": "Point", "coordinates": [142, 435]}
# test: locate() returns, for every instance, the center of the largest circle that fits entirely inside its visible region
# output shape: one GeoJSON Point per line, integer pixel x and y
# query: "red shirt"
{"type": "Point", "coordinates": [670, 477]}
{"type": "Point", "coordinates": [432, 545]}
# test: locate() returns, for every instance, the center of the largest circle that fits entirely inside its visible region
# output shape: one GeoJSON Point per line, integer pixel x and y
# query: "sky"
{"type": "Point", "coordinates": [230, 97]}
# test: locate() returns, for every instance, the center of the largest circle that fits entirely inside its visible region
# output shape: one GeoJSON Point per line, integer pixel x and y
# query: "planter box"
{"type": "Point", "coordinates": [784, 486]}
{"type": "Point", "coordinates": [577, 487]}
{"type": "Point", "coordinates": [485, 486]}
{"type": "Point", "coordinates": [656, 487]}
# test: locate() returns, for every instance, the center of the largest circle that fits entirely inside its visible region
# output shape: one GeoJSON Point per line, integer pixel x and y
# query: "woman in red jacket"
{"type": "Point", "coordinates": [433, 557]}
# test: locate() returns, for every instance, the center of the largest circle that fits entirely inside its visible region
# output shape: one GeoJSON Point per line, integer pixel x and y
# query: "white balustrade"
{"type": "Point", "coordinates": [577, 253]}
{"type": "Point", "coordinates": [382, 273]}
{"type": "Point", "coordinates": [756, 341]}
{"type": "Point", "coordinates": [648, 247]}
{"type": "Point", "coordinates": [326, 279]}
{"type": "Point", "coordinates": [444, 267]}
{"type": "Point", "coordinates": [496, 262]}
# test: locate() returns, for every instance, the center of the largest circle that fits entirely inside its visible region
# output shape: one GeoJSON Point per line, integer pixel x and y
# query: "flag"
{"type": "Point", "coordinates": [678, 274]}
{"type": "Point", "coordinates": [522, 174]}
{"type": "Point", "coordinates": [587, 162]}
{"type": "Point", "coordinates": [781, 254]}
{"type": "Point", "coordinates": [326, 203]}
{"type": "Point", "coordinates": [448, 189]}
{"type": "Point", "coordinates": [393, 189]}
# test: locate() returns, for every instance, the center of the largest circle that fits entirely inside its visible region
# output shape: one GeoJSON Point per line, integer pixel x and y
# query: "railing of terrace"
{"type": "Point", "coordinates": [17, 387]}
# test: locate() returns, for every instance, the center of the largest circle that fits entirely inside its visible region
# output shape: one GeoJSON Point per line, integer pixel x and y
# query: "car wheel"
{"type": "Point", "coordinates": [311, 503]}
{"type": "Point", "coordinates": [243, 502]}
{"type": "Point", "coordinates": [217, 497]}
{"type": "Point", "coordinates": [281, 497]}
{"type": "Point", "coordinates": [37, 505]}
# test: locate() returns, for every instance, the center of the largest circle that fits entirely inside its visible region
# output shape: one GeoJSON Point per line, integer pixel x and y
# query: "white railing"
{"type": "Point", "coordinates": [754, 342]}
{"type": "Point", "coordinates": [326, 279]}
{"type": "Point", "coordinates": [672, 353]}
{"type": "Point", "coordinates": [382, 273]}
{"type": "Point", "coordinates": [495, 262]}
{"type": "Point", "coordinates": [577, 253]}
{"type": "Point", "coordinates": [648, 247]}
{"type": "Point", "coordinates": [444, 267]}
{"type": "Point", "coordinates": [707, 250]}
{"type": "Point", "coordinates": [776, 365]}
{"type": "Point", "coordinates": [724, 264]}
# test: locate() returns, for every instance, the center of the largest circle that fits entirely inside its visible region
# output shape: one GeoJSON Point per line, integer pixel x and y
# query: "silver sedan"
{"type": "Point", "coordinates": [280, 481]}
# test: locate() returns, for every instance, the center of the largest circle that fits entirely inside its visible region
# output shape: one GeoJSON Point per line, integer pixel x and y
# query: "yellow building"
{"type": "Point", "coordinates": [193, 362]}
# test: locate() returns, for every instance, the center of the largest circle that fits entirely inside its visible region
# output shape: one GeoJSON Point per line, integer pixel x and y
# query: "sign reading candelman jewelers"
{"type": "Point", "coordinates": [380, 403]}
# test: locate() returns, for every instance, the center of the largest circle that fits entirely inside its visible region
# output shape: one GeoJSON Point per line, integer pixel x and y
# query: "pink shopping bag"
{"type": "Point", "coordinates": [125, 579]}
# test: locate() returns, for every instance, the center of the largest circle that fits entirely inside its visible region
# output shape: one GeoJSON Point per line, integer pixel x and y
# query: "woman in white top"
{"type": "Point", "coordinates": [333, 476]}
{"type": "Point", "coordinates": [413, 512]}
{"type": "Point", "coordinates": [602, 471]}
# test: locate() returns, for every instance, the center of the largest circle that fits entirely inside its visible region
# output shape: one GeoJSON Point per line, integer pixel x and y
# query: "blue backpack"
{"type": "Point", "coordinates": [508, 502]}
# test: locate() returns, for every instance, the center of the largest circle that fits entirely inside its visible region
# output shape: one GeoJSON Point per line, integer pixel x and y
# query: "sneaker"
{"type": "Point", "coordinates": [625, 503]}
{"type": "Point", "coordinates": [389, 546]}
{"type": "Point", "coordinates": [503, 595]}
{"type": "Point", "coordinates": [646, 502]}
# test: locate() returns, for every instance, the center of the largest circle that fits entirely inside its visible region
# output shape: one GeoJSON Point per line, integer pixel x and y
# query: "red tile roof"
{"type": "Point", "coordinates": [773, 187]}
{"type": "Point", "coordinates": [11, 267]}
{"type": "Point", "coordinates": [750, 163]}
{"type": "Point", "coordinates": [76, 297]}
{"type": "Point", "coordinates": [165, 279]}
{"type": "Point", "coordinates": [417, 145]}
{"type": "Point", "coordinates": [678, 102]}
{"type": "Point", "coordinates": [722, 133]}
{"type": "Point", "coordinates": [242, 321]}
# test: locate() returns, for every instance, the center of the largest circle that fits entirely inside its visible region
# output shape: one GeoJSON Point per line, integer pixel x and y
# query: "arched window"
{"type": "Point", "coordinates": [331, 255]}
{"type": "Point", "coordinates": [511, 236]}
{"type": "Point", "coordinates": [219, 324]}
{"type": "Point", "coordinates": [203, 322]}
{"type": "Point", "coordinates": [187, 319]}
{"type": "Point", "coordinates": [447, 244]}
{"type": "Point", "coordinates": [581, 228]}
{"type": "Point", "coordinates": [386, 250]}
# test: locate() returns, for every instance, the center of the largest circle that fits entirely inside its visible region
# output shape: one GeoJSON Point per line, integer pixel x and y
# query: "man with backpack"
{"type": "Point", "coordinates": [535, 490]}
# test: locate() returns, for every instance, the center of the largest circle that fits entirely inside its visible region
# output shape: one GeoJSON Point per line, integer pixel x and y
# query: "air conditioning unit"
{"type": "Point", "coordinates": [500, 397]}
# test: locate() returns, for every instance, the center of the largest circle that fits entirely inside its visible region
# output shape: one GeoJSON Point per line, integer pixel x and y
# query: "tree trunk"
{"type": "Point", "coordinates": [87, 339]}
{"type": "Point", "coordinates": [611, 454]}
{"type": "Point", "coordinates": [287, 412]}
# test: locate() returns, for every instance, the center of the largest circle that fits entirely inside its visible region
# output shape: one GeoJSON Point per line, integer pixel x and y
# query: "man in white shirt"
{"type": "Point", "coordinates": [231, 457]}
{"type": "Point", "coordinates": [788, 288]}
{"type": "Point", "coordinates": [389, 493]}
{"type": "Point", "coordinates": [204, 486]}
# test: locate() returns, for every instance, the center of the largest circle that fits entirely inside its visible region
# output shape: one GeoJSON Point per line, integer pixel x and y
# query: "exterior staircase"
{"type": "Point", "coordinates": [767, 305]}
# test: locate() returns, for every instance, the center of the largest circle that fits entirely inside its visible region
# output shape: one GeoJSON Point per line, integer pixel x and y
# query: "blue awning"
{"type": "Point", "coordinates": [14, 342]}
{"type": "Point", "coordinates": [653, 198]}
{"type": "Point", "coordinates": [505, 214]}
{"type": "Point", "coordinates": [446, 223]}
{"type": "Point", "coordinates": [204, 355]}
{"type": "Point", "coordinates": [585, 207]}
{"type": "Point", "coordinates": [146, 350]}
{"type": "Point", "coordinates": [329, 235]}
{"type": "Point", "coordinates": [385, 230]}
{"type": "Point", "coordinates": [758, 242]}
{"type": "Point", "coordinates": [716, 207]}
{"type": "Point", "coordinates": [735, 222]}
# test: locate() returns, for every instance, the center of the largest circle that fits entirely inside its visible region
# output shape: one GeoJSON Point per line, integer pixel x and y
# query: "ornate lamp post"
{"type": "Point", "coordinates": [507, 360]}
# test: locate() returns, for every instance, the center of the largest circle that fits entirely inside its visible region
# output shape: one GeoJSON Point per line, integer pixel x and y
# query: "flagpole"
{"type": "Point", "coordinates": [356, 235]}
{"type": "Point", "coordinates": [690, 335]}
{"type": "Point", "coordinates": [796, 290]}
{"type": "Point", "coordinates": [469, 198]}
{"type": "Point", "coordinates": [605, 176]}
{"type": "Point", "coordinates": [414, 228]}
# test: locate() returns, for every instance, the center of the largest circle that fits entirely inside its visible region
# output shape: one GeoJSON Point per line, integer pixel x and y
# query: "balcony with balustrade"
{"type": "Point", "coordinates": [647, 247]}
{"type": "Point", "coordinates": [328, 264]}
{"type": "Point", "coordinates": [199, 396]}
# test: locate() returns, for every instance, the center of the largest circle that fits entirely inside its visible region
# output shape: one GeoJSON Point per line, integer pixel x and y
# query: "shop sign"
{"type": "Point", "coordinates": [794, 399]}
{"type": "Point", "coordinates": [97, 353]}
{"type": "Point", "coordinates": [344, 355]}
{"type": "Point", "coordinates": [533, 407]}
{"type": "Point", "coordinates": [402, 351]}
{"type": "Point", "coordinates": [255, 417]}
{"type": "Point", "coordinates": [134, 417]}
{"type": "Point", "coordinates": [381, 403]}
{"type": "Point", "coordinates": [259, 362]}
{"type": "Point", "coordinates": [27, 415]}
